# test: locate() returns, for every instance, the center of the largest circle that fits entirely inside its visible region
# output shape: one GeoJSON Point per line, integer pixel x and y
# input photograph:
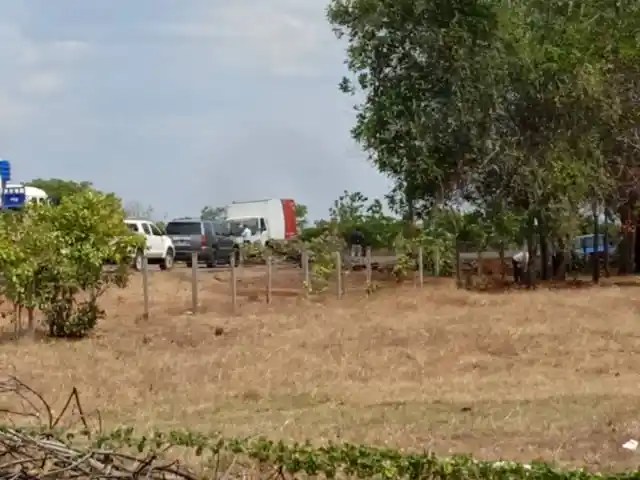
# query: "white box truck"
{"type": "Point", "coordinates": [270, 219]}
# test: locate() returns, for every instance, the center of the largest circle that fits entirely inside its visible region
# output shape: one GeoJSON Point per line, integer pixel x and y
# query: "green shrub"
{"type": "Point", "coordinates": [274, 459]}
{"type": "Point", "coordinates": [52, 258]}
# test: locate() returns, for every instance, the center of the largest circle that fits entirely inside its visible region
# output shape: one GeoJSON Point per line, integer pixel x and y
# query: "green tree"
{"type": "Point", "coordinates": [213, 213]}
{"type": "Point", "coordinates": [57, 189]}
{"type": "Point", "coordinates": [422, 69]}
{"type": "Point", "coordinates": [507, 104]}
{"type": "Point", "coordinates": [135, 209]}
{"type": "Point", "coordinates": [301, 216]}
{"type": "Point", "coordinates": [53, 257]}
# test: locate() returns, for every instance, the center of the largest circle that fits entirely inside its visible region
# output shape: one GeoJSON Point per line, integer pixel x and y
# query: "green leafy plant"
{"type": "Point", "coordinates": [52, 258]}
{"type": "Point", "coordinates": [305, 460]}
{"type": "Point", "coordinates": [253, 253]}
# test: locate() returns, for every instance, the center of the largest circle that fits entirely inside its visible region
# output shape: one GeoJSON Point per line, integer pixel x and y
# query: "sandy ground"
{"type": "Point", "coordinates": [548, 374]}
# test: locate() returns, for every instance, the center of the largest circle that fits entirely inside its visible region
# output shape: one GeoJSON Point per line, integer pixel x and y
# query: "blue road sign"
{"type": "Point", "coordinates": [13, 200]}
{"type": "Point", "coordinates": [5, 170]}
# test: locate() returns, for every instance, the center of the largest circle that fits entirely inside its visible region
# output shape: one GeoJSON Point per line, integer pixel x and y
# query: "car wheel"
{"type": "Point", "coordinates": [138, 261]}
{"type": "Point", "coordinates": [167, 261]}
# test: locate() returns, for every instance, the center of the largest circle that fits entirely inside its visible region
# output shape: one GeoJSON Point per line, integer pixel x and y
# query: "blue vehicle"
{"type": "Point", "coordinates": [16, 196]}
{"type": "Point", "coordinates": [583, 245]}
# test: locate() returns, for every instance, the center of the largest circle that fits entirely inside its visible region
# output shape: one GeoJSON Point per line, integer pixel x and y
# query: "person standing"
{"type": "Point", "coordinates": [520, 264]}
{"type": "Point", "coordinates": [245, 234]}
{"type": "Point", "coordinates": [356, 243]}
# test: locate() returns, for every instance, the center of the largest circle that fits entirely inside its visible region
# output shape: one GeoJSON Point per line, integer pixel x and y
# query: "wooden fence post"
{"type": "Point", "coordinates": [420, 267]}
{"type": "Point", "coordinates": [234, 286]}
{"type": "Point", "coordinates": [269, 278]}
{"type": "Point", "coordinates": [17, 319]}
{"type": "Point", "coordinates": [368, 266]}
{"type": "Point", "coordinates": [339, 274]}
{"type": "Point", "coordinates": [436, 263]}
{"type": "Point", "coordinates": [145, 286]}
{"type": "Point", "coordinates": [31, 321]}
{"type": "Point", "coordinates": [194, 282]}
{"type": "Point", "coordinates": [306, 272]}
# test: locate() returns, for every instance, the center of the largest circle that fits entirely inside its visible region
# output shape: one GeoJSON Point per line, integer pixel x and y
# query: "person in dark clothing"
{"type": "Point", "coordinates": [557, 259]}
{"type": "Point", "coordinates": [517, 272]}
{"type": "Point", "coordinates": [356, 243]}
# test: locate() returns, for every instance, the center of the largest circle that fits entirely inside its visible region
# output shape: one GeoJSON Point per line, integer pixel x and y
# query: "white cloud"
{"type": "Point", "coordinates": [32, 71]}
{"type": "Point", "coordinates": [14, 114]}
{"type": "Point", "coordinates": [285, 41]}
{"type": "Point", "coordinates": [59, 52]}
{"type": "Point", "coordinates": [42, 84]}
{"type": "Point", "coordinates": [278, 36]}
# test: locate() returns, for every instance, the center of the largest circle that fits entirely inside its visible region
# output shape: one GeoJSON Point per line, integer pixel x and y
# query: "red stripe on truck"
{"type": "Point", "coordinates": [290, 223]}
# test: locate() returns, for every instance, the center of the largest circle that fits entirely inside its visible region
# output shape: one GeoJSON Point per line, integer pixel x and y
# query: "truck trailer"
{"type": "Point", "coordinates": [269, 219]}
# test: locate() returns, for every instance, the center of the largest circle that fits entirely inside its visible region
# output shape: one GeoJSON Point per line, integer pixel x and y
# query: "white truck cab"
{"type": "Point", "coordinates": [269, 219]}
{"type": "Point", "coordinates": [159, 247]}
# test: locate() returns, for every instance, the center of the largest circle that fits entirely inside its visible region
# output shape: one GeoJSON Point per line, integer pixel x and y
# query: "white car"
{"type": "Point", "coordinates": [160, 249]}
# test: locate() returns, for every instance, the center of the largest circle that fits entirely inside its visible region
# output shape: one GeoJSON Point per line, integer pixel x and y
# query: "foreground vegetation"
{"type": "Point", "coordinates": [55, 448]}
{"type": "Point", "coordinates": [109, 456]}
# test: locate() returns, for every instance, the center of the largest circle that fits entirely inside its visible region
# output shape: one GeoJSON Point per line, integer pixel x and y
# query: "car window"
{"type": "Point", "coordinates": [155, 230]}
{"type": "Point", "coordinates": [263, 225]}
{"type": "Point", "coordinates": [208, 229]}
{"type": "Point", "coordinates": [253, 225]}
{"type": "Point", "coordinates": [184, 228]}
{"type": "Point", "coordinates": [146, 229]}
{"type": "Point", "coordinates": [222, 228]}
{"type": "Point", "coordinates": [133, 227]}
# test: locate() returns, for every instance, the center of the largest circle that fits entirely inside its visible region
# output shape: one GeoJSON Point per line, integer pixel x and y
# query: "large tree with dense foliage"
{"type": "Point", "coordinates": [506, 103]}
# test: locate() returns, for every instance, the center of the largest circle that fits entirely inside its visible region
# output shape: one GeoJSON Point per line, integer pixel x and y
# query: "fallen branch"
{"type": "Point", "coordinates": [39, 456]}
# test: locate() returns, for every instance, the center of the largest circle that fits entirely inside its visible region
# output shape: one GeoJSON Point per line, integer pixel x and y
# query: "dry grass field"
{"type": "Point", "coordinates": [549, 374]}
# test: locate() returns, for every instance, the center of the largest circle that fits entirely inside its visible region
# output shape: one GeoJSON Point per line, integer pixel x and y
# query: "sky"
{"type": "Point", "coordinates": [178, 104]}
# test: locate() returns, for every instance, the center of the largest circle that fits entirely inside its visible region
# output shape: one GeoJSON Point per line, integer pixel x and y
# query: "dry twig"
{"type": "Point", "coordinates": [41, 455]}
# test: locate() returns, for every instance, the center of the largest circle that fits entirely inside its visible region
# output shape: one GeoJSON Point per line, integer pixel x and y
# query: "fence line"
{"type": "Point", "coordinates": [305, 283]}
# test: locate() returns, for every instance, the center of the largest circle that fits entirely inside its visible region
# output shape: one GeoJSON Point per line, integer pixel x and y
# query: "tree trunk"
{"type": "Point", "coordinates": [561, 271]}
{"type": "Point", "coordinates": [595, 256]}
{"type": "Point", "coordinates": [607, 214]}
{"type": "Point", "coordinates": [531, 251]}
{"type": "Point", "coordinates": [503, 267]}
{"type": "Point", "coordinates": [627, 245]}
{"type": "Point", "coordinates": [544, 249]}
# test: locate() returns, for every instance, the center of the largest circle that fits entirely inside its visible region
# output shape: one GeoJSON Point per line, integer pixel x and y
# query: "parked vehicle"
{"type": "Point", "coordinates": [583, 246]}
{"type": "Point", "coordinates": [270, 219]}
{"type": "Point", "coordinates": [160, 249]}
{"type": "Point", "coordinates": [211, 240]}
{"type": "Point", "coordinates": [16, 196]}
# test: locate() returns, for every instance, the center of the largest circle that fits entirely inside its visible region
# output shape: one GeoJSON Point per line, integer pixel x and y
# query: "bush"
{"type": "Point", "coordinates": [52, 258]}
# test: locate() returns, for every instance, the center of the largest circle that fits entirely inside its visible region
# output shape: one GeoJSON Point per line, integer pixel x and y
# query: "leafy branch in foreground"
{"type": "Point", "coordinates": [130, 454]}
{"type": "Point", "coordinates": [49, 450]}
